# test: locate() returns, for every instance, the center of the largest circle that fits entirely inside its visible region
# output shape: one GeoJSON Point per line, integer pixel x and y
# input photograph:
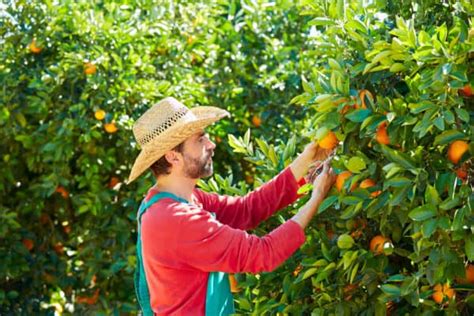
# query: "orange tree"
{"type": "Point", "coordinates": [396, 233]}
{"type": "Point", "coordinates": [75, 76]}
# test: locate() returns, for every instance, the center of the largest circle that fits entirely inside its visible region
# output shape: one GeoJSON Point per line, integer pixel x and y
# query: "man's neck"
{"type": "Point", "coordinates": [178, 185]}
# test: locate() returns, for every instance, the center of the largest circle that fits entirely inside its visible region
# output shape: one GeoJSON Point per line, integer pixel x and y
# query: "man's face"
{"type": "Point", "coordinates": [197, 154]}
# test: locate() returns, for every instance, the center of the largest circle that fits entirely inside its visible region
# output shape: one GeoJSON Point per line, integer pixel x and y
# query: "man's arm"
{"type": "Point", "coordinates": [246, 212]}
{"type": "Point", "coordinates": [321, 185]}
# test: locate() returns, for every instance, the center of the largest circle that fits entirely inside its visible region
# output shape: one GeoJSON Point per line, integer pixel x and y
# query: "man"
{"type": "Point", "coordinates": [188, 239]}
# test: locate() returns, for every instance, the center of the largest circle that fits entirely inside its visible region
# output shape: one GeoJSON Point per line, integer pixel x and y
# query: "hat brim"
{"type": "Point", "coordinates": [172, 137]}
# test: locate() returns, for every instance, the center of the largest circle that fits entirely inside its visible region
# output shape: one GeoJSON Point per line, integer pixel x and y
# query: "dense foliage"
{"type": "Point", "coordinates": [390, 79]}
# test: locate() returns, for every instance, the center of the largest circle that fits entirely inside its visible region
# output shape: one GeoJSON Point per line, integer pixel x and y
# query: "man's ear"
{"type": "Point", "coordinates": [172, 157]}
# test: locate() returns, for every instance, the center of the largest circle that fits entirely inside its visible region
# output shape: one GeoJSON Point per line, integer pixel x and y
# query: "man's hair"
{"type": "Point", "coordinates": [162, 166]}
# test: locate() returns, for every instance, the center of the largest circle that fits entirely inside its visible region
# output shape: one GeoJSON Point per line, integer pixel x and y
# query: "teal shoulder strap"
{"type": "Point", "coordinates": [219, 299]}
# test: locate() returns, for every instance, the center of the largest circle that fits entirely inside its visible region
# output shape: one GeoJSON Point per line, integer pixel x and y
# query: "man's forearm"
{"type": "Point", "coordinates": [306, 213]}
{"type": "Point", "coordinates": [299, 167]}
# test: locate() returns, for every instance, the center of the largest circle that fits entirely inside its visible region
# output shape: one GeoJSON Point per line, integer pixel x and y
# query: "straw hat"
{"type": "Point", "coordinates": [164, 126]}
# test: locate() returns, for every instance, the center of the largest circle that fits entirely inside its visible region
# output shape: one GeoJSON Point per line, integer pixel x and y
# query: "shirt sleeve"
{"type": "Point", "coordinates": [204, 243]}
{"type": "Point", "coordinates": [246, 212]}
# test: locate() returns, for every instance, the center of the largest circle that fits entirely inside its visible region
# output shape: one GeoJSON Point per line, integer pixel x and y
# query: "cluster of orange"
{"type": "Point", "coordinates": [109, 127]}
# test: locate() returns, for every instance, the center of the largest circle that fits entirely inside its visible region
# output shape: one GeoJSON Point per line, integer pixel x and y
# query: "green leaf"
{"type": "Point", "coordinates": [450, 203]}
{"type": "Point", "coordinates": [429, 227]}
{"type": "Point", "coordinates": [310, 272]}
{"type": "Point", "coordinates": [326, 203]}
{"type": "Point", "coordinates": [423, 212]}
{"type": "Point", "coordinates": [448, 136]}
{"type": "Point", "coordinates": [397, 182]}
{"type": "Point", "coordinates": [462, 114]}
{"type": "Point", "coordinates": [345, 241]}
{"type": "Point", "coordinates": [397, 67]}
{"type": "Point", "coordinates": [391, 289]}
{"type": "Point", "coordinates": [439, 123]}
{"type": "Point", "coordinates": [359, 115]}
{"type": "Point", "coordinates": [356, 164]}
{"type": "Point", "coordinates": [334, 64]}
{"type": "Point", "coordinates": [396, 278]}
{"type": "Point", "coordinates": [399, 195]}
{"type": "Point", "coordinates": [398, 157]}
{"type": "Point", "coordinates": [431, 195]}
{"type": "Point", "coordinates": [469, 247]}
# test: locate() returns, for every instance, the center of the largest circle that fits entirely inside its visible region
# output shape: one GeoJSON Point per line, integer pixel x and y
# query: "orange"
{"type": "Point", "coordinates": [341, 178]}
{"type": "Point", "coordinates": [59, 248]}
{"type": "Point", "coordinates": [256, 121]}
{"type": "Point", "coordinates": [28, 243]}
{"type": "Point", "coordinates": [249, 179]}
{"type": "Point", "coordinates": [382, 135]}
{"type": "Point", "coordinates": [110, 128]}
{"type": "Point", "coordinates": [34, 48]}
{"type": "Point", "coordinates": [466, 90]}
{"type": "Point", "coordinates": [90, 68]}
{"type": "Point", "coordinates": [456, 150]}
{"type": "Point", "coordinates": [234, 285]}
{"type": "Point", "coordinates": [64, 193]}
{"type": "Point", "coordinates": [298, 270]}
{"type": "Point", "coordinates": [67, 229]}
{"type": "Point", "coordinates": [329, 141]}
{"type": "Point", "coordinates": [362, 95]}
{"type": "Point", "coordinates": [442, 292]}
{"type": "Point", "coordinates": [461, 173]}
{"type": "Point", "coordinates": [330, 234]}
{"type": "Point", "coordinates": [90, 300]}
{"type": "Point", "coordinates": [99, 115]}
{"type": "Point", "coordinates": [113, 182]}
{"type": "Point", "coordinates": [44, 219]}
{"type": "Point", "coordinates": [470, 273]}
{"type": "Point", "coordinates": [367, 183]}
{"type": "Point", "coordinates": [377, 244]}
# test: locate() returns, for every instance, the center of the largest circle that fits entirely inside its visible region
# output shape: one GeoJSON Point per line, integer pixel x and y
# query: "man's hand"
{"type": "Point", "coordinates": [321, 185]}
{"type": "Point", "coordinates": [324, 181]}
{"type": "Point", "coordinates": [310, 159]}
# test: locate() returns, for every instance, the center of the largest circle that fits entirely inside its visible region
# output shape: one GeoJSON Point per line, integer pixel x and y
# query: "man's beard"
{"type": "Point", "coordinates": [196, 168]}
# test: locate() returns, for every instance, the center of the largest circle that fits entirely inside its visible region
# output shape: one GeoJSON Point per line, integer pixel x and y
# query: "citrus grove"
{"type": "Point", "coordinates": [386, 84]}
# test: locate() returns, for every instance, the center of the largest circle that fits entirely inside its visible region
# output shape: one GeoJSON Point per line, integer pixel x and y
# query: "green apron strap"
{"type": "Point", "coordinates": [219, 299]}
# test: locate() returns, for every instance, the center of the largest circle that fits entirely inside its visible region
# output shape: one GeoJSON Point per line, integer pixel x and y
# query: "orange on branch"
{"type": "Point", "coordinates": [99, 115]}
{"type": "Point", "coordinates": [377, 244]}
{"type": "Point", "coordinates": [110, 128]}
{"type": "Point", "coordinates": [61, 190]}
{"type": "Point", "coordinates": [234, 285]}
{"type": "Point", "coordinates": [466, 90]}
{"type": "Point", "coordinates": [90, 68]}
{"type": "Point", "coordinates": [362, 94]}
{"type": "Point", "coordinates": [341, 178]}
{"type": "Point", "coordinates": [59, 248]}
{"type": "Point", "coordinates": [113, 182]}
{"type": "Point", "coordinates": [329, 141]}
{"type": "Point", "coordinates": [256, 121]}
{"type": "Point", "coordinates": [470, 273]}
{"type": "Point", "coordinates": [34, 48]}
{"type": "Point", "coordinates": [442, 292]}
{"type": "Point", "coordinates": [367, 183]}
{"type": "Point", "coordinates": [456, 150]}
{"type": "Point", "coordinates": [382, 135]}
{"type": "Point", "coordinates": [28, 243]}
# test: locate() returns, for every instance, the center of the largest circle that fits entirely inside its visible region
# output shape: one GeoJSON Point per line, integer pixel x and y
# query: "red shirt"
{"type": "Point", "coordinates": [182, 242]}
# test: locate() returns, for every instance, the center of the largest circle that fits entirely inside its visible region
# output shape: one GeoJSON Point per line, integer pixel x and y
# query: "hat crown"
{"type": "Point", "coordinates": [158, 119]}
